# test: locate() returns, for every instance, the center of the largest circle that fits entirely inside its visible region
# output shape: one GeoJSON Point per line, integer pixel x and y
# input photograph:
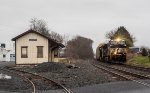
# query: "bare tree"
{"type": "Point", "coordinates": [65, 39]}
{"type": "Point", "coordinates": [41, 27]}
{"type": "Point", "coordinates": [79, 48]}
{"type": "Point", "coordinates": [56, 36]}
{"type": "Point", "coordinates": [110, 34]}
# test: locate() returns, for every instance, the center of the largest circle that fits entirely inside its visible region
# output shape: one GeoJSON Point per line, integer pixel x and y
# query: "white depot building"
{"type": "Point", "coordinates": [6, 54]}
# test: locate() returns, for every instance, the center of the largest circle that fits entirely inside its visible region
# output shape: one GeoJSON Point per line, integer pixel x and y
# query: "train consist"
{"type": "Point", "coordinates": [113, 51]}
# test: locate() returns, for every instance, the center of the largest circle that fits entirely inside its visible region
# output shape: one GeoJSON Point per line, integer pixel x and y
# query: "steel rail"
{"type": "Point", "coordinates": [33, 85]}
{"type": "Point", "coordinates": [66, 90]}
{"type": "Point", "coordinates": [107, 69]}
{"type": "Point", "coordinates": [125, 71]}
{"type": "Point", "coordinates": [138, 67]}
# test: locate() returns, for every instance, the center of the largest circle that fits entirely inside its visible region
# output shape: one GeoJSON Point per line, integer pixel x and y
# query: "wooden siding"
{"type": "Point", "coordinates": [32, 49]}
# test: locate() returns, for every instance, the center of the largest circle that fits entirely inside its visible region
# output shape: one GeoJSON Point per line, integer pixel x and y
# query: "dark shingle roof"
{"type": "Point", "coordinates": [32, 31]}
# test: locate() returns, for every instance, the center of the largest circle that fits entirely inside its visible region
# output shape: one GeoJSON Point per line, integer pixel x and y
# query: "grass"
{"type": "Point", "coordinates": [139, 61]}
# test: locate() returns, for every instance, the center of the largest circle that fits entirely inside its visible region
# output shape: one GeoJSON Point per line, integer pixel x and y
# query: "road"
{"type": "Point", "coordinates": [115, 87]}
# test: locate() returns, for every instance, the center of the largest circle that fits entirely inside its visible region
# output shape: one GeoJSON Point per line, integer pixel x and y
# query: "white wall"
{"type": "Point", "coordinates": [8, 58]}
{"type": "Point", "coordinates": [3, 51]}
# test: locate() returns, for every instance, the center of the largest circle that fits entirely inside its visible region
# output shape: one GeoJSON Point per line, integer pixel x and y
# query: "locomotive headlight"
{"type": "Point", "coordinates": [118, 39]}
{"type": "Point", "coordinates": [115, 52]}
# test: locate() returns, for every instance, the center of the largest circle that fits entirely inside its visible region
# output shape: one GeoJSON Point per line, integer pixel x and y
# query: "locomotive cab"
{"type": "Point", "coordinates": [118, 51]}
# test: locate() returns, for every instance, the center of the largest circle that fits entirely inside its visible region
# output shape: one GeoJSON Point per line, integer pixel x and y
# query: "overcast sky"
{"type": "Point", "coordinates": [88, 18]}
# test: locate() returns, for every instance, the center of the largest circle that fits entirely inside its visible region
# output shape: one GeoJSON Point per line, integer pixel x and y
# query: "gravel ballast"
{"type": "Point", "coordinates": [77, 74]}
{"type": "Point", "coordinates": [14, 83]}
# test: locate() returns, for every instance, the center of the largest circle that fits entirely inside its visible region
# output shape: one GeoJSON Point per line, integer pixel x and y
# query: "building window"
{"type": "Point", "coordinates": [56, 53]}
{"type": "Point", "coordinates": [39, 51]}
{"type": "Point", "coordinates": [4, 56]}
{"type": "Point", "coordinates": [24, 52]}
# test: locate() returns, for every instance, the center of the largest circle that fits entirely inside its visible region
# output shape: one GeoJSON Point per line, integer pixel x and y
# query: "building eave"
{"type": "Point", "coordinates": [32, 31]}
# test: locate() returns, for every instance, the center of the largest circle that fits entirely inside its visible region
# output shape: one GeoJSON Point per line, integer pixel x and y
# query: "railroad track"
{"type": "Point", "coordinates": [134, 69]}
{"type": "Point", "coordinates": [138, 68]}
{"type": "Point", "coordinates": [32, 78]}
{"type": "Point", "coordinates": [127, 75]}
{"type": "Point", "coordinates": [31, 84]}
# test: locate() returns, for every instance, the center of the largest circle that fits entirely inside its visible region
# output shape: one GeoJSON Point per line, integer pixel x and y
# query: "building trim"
{"type": "Point", "coordinates": [15, 53]}
{"type": "Point", "coordinates": [48, 51]}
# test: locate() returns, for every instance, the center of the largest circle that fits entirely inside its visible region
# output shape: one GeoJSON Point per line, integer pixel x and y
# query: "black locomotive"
{"type": "Point", "coordinates": [113, 51]}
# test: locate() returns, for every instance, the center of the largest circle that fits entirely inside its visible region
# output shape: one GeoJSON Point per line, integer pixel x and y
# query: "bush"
{"type": "Point", "coordinates": [79, 48]}
{"type": "Point", "coordinates": [144, 52]}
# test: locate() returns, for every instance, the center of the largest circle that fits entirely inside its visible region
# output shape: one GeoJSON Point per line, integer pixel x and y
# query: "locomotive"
{"type": "Point", "coordinates": [113, 51]}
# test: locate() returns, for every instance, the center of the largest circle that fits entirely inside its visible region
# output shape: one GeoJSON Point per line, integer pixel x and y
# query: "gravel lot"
{"type": "Point", "coordinates": [77, 74]}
